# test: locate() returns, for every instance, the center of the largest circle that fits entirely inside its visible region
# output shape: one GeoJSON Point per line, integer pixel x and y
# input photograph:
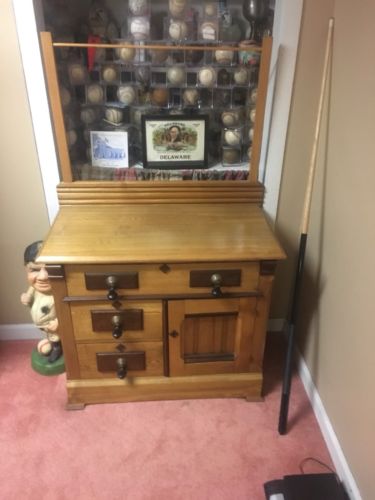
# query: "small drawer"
{"type": "Point", "coordinates": [165, 279]}
{"type": "Point", "coordinates": [130, 321]}
{"type": "Point", "coordinates": [100, 360]}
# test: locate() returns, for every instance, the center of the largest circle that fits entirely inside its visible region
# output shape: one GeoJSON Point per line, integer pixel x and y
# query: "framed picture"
{"type": "Point", "coordinates": [174, 141]}
{"type": "Point", "coordinates": [109, 149]}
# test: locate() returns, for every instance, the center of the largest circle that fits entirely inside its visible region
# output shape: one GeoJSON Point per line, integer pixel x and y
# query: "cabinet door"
{"type": "Point", "coordinates": [210, 336]}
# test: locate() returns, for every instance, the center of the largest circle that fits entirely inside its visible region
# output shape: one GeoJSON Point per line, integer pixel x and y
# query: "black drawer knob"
{"type": "Point", "coordinates": [121, 368]}
{"type": "Point", "coordinates": [112, 282]}
{"type": "Point", "coordinates": [216, 280]}
{"type": "Point", "coordinates": [117, 327]}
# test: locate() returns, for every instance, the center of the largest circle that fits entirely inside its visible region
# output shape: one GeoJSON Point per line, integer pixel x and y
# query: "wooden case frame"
{"type": "Point", "coordinates": [118, 192]}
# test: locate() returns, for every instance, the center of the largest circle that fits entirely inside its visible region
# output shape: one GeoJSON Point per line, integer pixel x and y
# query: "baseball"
{"type": "Point", "coordinates": [160, 96]}
{"type": "Point", "coordinates": [232, 137]}
{"type": "Point", "coordinates": [77, 74]}
{"type": "Point", "coordinates": [229, 118]}
{"type": "Point", "coordinates": [94, 93]}
{"type": "Point", "coordinates": [138, 7]}
{"type": "Point", "coordinates": [142, 74]}
{"type": "Point", "coordinates": [251, 134]}
{"type": "Point", "coordinates": [231, 155]}
{"type": "Point", "coordinates": [176, 75]}
{"type": "Point", "coordinates": [178, 30]}
{"type": "Point", "coordinates": [254, 96]}
{"type": "Point", "coordinates": [71, 137]}
{"type": "Point", "coordinates": [113, 115]}
{"type": "Point", "coordinates": [65, 97]}
{"type": "Point", "coordinates": [109, 74]}
{"type": "Point", "coordinates": [137, 116]}
{"type": "Point", "coordinates": [207, 76]}
{"type": "Point", "coordinates": [209, 31]}
{"type": "Point", "coordinates": [241, 76]}
{"type": "Point", "coordinates": [190, 97]}
{"type": "Point", "coordinates": [140, 28]}
{"type": "Point", "coordinates": [252, 115]}
{"type": "Point", "coordinates": [224, 56]}
{"type": "Point", "coordinates": [159, 56]}
{"type": "Point", "coordinates": [177, 7]}
{"type": "Point", "coordinates": [88, 116]}
{"type": "Point", "coordinates": [249, 152]}
{"type": "Point", "coordinates": [210, 9]}
{"type": "Point", "coordinates": [126, 94]}
{"type": "Point", "coordinates": [126, 54]}
{"type": "Point", "coordinates": [44, 347]}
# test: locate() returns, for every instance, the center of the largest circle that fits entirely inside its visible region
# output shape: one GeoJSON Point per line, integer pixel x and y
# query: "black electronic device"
{"type": "Point", "coordinates": [306, 487]}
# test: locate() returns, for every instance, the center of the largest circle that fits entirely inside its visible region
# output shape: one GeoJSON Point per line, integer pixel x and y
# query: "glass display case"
{"type": "Point", "coordinates": [108, 78]}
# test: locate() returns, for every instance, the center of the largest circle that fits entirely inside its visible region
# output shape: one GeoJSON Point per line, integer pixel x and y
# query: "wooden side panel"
{"type": "Point", "coordinates": [260, 327]}
{"type": "Point", "coordinates": [66, 330]}
{"type": "Point", "coordinates": [260, 107]}
{"type": "Point", "coordinates": [55, 104]}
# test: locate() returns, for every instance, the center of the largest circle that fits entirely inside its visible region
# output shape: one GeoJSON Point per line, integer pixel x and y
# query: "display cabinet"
{"type": "Point", "coordinates": [162, 276]}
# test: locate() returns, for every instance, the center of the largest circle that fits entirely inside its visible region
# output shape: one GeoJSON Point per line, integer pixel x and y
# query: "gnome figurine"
{"type": "Point", "coordinates": [40, 300]}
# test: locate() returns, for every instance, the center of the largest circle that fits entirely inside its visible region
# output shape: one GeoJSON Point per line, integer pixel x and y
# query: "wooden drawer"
{"type": "Point", "coordinates": [99, 360]}
{"type": "Point", "coordinates": [161, 279]}
{"type": "Point", "coordinates": [138, 321]}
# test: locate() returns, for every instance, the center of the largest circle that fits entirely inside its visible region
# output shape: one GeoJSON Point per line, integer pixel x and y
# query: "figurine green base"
{"type": "Point", "coordinates": [41, 365]}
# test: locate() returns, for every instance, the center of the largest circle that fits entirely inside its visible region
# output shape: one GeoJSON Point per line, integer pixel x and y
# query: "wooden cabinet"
{"type": "Point", "coordinates": [162, 288]}
{"type": "Point", "coordinates": [156, 311]}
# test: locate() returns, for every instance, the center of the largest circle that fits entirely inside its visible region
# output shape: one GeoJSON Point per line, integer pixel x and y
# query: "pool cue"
{"type": "Point", "coordinates": [287, 379]}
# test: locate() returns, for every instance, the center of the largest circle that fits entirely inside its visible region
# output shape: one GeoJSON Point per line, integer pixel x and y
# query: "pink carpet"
{"type": "Point", "coordinates": [170, 450]}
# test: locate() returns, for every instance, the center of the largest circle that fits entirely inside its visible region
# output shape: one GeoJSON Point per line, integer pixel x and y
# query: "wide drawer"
{"type": "Point", "coordinates": [101, 360]}
{"type": "Point", "coordinates": [161, 279]}
{"type": "Point", "coordinates": [129, 321]}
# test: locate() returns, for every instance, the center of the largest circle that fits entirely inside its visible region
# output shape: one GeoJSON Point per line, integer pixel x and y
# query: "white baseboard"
{"type": "Point", "coordinates": [19, 332]}
{"type": "Point", "coordinates": [328, 432]}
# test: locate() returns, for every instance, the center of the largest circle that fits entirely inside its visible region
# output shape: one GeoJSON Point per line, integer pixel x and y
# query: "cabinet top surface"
{"type": "Point", "coordinates": [159, 233]}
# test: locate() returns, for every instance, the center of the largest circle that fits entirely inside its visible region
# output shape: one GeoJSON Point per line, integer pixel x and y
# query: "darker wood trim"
{"type": "Point", "coordinates": [202, 278]}
{"type": "Point", "coordinates": [267, 267]}
{"type": "Point", "coordinates": [178, 296]}
{"type": "Point", "coordinates": [55, 271]}
{"type": "Point", "coordinates": [165, 337]}
{"type": "Point", "coordinates": [107, 361]}
{"type": "Point", "coordinates": [208, 357]}
{"type": "Point", "coordinates": [211, 315]}
{"type": "Point", "coordinates": [97, 281]}
{"type": "Point", "coordinates": [130, 319]}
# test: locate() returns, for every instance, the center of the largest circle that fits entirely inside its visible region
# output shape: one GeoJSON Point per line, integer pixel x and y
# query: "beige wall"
{"type": "Point", "coordinates": [335, 330]}
{"type": "Point", "coordinates": [23, 214]}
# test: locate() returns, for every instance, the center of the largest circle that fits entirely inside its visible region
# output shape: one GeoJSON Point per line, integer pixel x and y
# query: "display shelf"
{"type": "Point", "coordinates": [73, 167]}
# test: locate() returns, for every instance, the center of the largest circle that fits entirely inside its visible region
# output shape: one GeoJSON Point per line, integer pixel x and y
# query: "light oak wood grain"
{"type": "Point", "coordinates": [243, 385]}
{"type": "Point", "coordinates": [164, 234]}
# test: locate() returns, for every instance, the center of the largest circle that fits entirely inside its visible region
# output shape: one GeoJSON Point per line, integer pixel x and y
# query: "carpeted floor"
{"type": "Point", "coordinates": [170, 450]}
